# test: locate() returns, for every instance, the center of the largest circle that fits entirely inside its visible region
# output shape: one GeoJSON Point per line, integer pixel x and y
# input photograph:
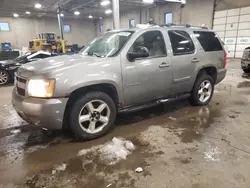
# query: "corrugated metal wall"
{"type": "Point", "coordinates": [233, 26]}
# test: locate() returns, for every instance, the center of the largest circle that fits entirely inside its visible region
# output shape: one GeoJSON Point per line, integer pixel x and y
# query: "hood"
{"type": "Point", "coordinates": [57, 65]}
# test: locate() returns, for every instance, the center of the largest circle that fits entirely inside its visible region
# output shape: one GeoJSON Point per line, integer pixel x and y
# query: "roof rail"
{"type": "Point", "coordinates": [182, 25]}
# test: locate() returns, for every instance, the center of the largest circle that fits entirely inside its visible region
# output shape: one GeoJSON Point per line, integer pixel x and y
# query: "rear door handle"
{"type": "Point", "coordinates": [195, 60]}
{"type": "Point", "coordinates": [164, 65]}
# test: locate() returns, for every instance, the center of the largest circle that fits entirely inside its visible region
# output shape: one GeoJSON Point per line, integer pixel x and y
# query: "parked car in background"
{"type": "Point", "coordinates": [120, 71]}
{"type": "Point", "coordinates": [9, 67]}
{"type": "Point", "coordinates": [245, 61]}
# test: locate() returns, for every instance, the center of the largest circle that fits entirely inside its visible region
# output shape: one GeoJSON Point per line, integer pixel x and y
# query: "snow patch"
{"type": "Point", "coordinates": [59, 168]}
{"type": "Point", "coordinates": [172, 118]}
{"type": "Point", "coordinates": [15, 131]}
{"type": "Point", "coordinates": [11, 118]}
{"type": "Point", "coordinates": [139, 170]}
{"type": "Point", "coordinates": [112, 152]}
{"type": "Point", "coordinates": [212, 154]}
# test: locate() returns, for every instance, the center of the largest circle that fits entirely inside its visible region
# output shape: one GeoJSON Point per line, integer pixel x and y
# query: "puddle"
{"type": "Point", "coordinates": [112, 152]}
{"type": "Point", "coordinates": [88, 171]}
{"type": "Point", "coordinates": [193, 127]}
{"type": "Point", "coordinates": [240, 103]}
{"type": "Point", "coordinates": [244, 84]}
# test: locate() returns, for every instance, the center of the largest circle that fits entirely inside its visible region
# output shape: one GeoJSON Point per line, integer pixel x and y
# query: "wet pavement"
{"type": "Point", "coordinates": [176, 145]}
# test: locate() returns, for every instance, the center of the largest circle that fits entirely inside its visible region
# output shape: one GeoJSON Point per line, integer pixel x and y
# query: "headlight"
{"type": "Point", "coordinates": [41, 88]}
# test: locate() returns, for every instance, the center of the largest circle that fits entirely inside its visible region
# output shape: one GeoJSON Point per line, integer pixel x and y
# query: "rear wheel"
{"type": "Point", "coordinates": [4, 77]}
{"type": "Point", "coordinates": [202, 91]}
{"type": "Point", "coordinates": [92, 115]}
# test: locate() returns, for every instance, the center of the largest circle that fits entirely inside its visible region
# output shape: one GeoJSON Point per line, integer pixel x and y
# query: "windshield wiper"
{"type": "Point", "coordinates": [94, 53]}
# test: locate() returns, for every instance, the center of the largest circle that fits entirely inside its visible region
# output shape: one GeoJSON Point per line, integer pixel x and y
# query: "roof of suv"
{"type": "Point", "coordinates": [167, 26]}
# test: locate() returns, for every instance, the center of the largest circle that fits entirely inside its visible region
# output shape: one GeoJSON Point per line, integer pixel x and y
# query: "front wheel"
{"type": "Point", "coordinates": [92, 115]}
{"type": "Point", "coordinates": [4, 77]}
{"type": "Point", "coordinates": [202, 91]}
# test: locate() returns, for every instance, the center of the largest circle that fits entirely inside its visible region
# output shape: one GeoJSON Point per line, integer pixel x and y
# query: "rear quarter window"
{"type": "Point", "coordinates": [209, 41]}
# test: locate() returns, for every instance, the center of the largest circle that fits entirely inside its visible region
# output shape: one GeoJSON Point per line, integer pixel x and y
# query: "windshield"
{"type": "Point", "coordinates": [49, 36]}
{"type": "Point", "coordinates": [107, 45]}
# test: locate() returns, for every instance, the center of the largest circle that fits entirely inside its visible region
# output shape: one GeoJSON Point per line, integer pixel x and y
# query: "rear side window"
{"type": "Point", "coordinates": [208, 40]}
{"type": "Point", "coordinates": [181, 42]}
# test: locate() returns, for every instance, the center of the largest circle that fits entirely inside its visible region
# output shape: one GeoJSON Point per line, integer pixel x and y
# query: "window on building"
{"type": "Point", "coordinates": [101, 28]}
{"type": "Point", "coordinates": [208, 40]}
{"type": "Point", "coordinates": [181, 42]}
{"type": "Point", "coordinates": [131, 23]}
{"type": "Point", "coordinates": [153, 41]}
{"type": "Point", "coordinates": [4, 26]}
{"type": "Point", "coordinates": [66, 28]}
{"type": "Point", "coordinates": [168, 18]}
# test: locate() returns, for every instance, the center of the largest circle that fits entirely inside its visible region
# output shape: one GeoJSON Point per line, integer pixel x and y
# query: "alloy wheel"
{"type": "Point", "coordinates": [94, 116]}
{"type": "Point", "coordinates": [3, 78]}
{"type": "Point", "coordinates": [205, 91]}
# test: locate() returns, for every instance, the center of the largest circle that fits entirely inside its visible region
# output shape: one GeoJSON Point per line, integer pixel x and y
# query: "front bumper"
{"type": "Point", "coordinates": [245, 64]}
{"type": "Point", "coordinates": [47, 113]}
{"type": "Point", "coordinates": [221, 75]}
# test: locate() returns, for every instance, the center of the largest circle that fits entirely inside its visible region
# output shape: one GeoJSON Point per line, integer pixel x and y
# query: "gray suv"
{"type": "Point", "coordinates": [120, 71]}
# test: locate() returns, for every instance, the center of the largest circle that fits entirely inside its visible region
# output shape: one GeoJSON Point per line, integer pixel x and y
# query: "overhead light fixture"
{"type": "Point", "coordinates": [90, 16]}
{"type": "Point", "coordinates": [61, 14]}
{"type": "Point", "coordinates": [105, 2]}
{"type": "Point", "coordinates": [38, 5]}
{"type": "Point", "coordinates": [76, 13]}
{"type": "Point", "coordinates": [15, 15]}
{"type": "Point", "coordinates": [27, 12]}
{"type": "Point", "coordinates": [109, 11]}
{"type": "Point", "coordinates": [177, 1]}
{"type": "Point", "coordinates": [148, 1]}
{"type": "Point", "coordinates": [100, 18]}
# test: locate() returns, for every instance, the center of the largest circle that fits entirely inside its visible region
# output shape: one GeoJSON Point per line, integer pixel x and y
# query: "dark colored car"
{"type": "Point", "coordinates": [245, 61]}
{"type": "Point", "coordinates": [9, 67]}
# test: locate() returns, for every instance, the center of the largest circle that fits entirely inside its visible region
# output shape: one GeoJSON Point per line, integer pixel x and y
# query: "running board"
{"type": "Point", "coordinates": [151, 104]}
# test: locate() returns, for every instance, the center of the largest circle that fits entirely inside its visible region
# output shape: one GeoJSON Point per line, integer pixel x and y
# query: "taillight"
{"type": "Point", "coordinates": [225, 58]}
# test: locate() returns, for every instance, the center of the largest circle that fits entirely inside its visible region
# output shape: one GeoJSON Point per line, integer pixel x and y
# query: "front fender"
{"type": "Point", "coordinates": [65, 87]}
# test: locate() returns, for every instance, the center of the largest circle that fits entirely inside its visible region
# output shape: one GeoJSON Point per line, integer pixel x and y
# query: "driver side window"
{"type": "Point", "coordinates": [153, 42]}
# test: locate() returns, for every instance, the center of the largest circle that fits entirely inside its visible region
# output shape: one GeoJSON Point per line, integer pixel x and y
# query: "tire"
{"type": "Point", "coordinates": [196, 98]}
{"type": "Point", "coordinates": [4, 77]}
{"type": "Point", "coordinates": [246, 70]}
{"type": "Point", "coordinates": [89, 108]}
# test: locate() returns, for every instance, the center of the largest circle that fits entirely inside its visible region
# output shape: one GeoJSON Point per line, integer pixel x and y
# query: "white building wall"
{"type": "Point", "coordinates": [233, 26]}
{"type": "Point", "coordinates": [22, 30]}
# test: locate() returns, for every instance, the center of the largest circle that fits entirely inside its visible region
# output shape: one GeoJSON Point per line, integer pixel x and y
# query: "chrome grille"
{"type": "Point", "coordinates": [22, 80]}
{"type": "Point", "coordinates": [20, 84]}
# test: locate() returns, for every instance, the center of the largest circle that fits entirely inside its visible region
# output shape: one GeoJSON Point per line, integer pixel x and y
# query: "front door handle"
{"type": "Point", "coordinates": [195, 60]}
{"type": "Point", "coordinates": [164, 65]}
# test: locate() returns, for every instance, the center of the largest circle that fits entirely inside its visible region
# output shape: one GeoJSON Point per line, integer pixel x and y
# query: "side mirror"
{"type": "Point", "coordinates": [140, 52]}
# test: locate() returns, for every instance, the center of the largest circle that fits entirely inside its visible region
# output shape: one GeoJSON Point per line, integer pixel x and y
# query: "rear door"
{"type": "Point", "coordinates": [184, 60]}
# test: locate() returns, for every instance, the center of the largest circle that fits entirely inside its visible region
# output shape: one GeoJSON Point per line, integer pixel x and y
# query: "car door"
{"type": "Point", "coordinates": [149, 78]}
{"type": "Point", "coordinates": [183, 60]}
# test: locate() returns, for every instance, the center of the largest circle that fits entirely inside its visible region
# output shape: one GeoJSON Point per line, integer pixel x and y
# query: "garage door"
{"type": "Point", "coordinates": [233, 26]}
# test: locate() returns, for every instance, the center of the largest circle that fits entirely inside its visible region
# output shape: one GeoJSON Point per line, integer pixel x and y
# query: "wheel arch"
{"type": "Point", "coordinates": [106, 88]}
{"type": "Point", "coordinates": [210, 70]}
